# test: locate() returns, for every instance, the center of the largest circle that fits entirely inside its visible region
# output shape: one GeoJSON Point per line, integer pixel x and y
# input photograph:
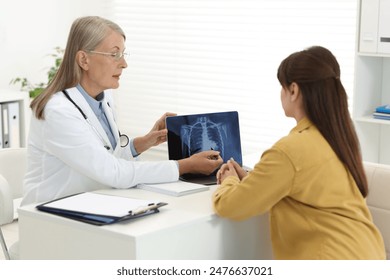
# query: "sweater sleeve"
{"type": "Point", "coordinates": [271, 179]}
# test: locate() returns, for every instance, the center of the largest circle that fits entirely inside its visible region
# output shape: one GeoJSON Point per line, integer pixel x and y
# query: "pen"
{"type": "Point", "coordinates": [213, 157]}
{"type": "Point", "coordinates": [145, 209]}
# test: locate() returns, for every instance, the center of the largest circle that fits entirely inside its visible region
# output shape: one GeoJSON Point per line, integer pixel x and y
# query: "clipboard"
{"type": "Point", "coordinates": [100, 209]}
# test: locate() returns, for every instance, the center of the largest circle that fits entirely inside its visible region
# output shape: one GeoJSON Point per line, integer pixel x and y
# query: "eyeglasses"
{"type": "Point", "coordinates": [117, 56]}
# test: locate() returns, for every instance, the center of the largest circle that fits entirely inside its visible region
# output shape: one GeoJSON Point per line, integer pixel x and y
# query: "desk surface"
{"type": "Point", "coordinates": [186, 228]}
{"type": "Point", "coordinates": [193, 208]}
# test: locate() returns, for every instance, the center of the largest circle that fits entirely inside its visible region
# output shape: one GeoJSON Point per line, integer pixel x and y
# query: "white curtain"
{"type": "Point", "coordinates": [195, 56]}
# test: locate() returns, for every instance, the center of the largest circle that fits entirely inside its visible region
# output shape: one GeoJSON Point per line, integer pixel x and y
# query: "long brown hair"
{"type": "Point", "coordinates": [317, 73]}
{"type": "Point", "coordinates": [86, 33]}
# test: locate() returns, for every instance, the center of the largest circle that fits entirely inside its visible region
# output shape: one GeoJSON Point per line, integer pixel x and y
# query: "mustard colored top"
{"type": "Point", "coordinates": [316, 209]}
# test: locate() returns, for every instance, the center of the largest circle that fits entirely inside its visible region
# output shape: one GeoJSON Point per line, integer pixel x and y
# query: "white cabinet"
{"type": "Point", "coordinates": [374, 27]}
{"type": "Point", "coordinates": [372, 89]}
{"type": "Point", "coordinates": [372, 79]}
{"type": "Point", "coordinates": [15, 117]}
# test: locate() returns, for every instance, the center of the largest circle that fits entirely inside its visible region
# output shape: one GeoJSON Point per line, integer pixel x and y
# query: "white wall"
{"type": "Point", "coordinates": [29, 31]}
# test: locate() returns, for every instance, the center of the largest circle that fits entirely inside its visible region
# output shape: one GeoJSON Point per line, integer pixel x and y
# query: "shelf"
{"type": "Point", "coordinates": [380, 55]}
{"type": "Point", "coordinates": [372, 83]}
{"type": "Point", "coordinates": [371, 119]}
{"type": "Point", "coordinates": [7, 95]}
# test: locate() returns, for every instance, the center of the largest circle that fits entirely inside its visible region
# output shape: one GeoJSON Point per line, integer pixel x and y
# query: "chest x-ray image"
{"type": "Point", "coordinates": [191, 134]}
{"type": "Point", "coordinates": [203, 135]}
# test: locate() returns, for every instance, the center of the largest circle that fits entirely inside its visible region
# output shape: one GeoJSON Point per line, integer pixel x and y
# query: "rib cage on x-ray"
{"type": "Point", "coordinates": [203, 135]}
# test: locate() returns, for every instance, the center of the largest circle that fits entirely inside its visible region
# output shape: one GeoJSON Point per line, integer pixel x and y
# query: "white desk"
{"type": "Point", "coordinates": [186, 228]}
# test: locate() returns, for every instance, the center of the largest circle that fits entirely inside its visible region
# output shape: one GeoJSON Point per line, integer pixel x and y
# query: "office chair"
{"type": "Point", "coordinates": [13, 164]}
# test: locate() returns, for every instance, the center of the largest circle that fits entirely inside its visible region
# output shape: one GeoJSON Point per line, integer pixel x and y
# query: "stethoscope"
{"type": "Point", "coordinates": [123, 138]}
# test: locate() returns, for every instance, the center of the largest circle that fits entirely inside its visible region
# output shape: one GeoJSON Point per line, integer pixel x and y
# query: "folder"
{"type": "Point", "coordinates": [14, 124]}
{"type": "Point", "coordinates": [10, 125]}
{"type": "Point", "coordinates": [100, 209]}
{"type": "Point", "coordinates": [384, 109]}
{"type": "Point", "coordinates": [381, 116]}
{"type": "Point", "coordinates": [1, 127]}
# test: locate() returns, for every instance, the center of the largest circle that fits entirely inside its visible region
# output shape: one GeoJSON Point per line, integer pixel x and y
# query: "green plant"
{"type": "Point", "coordinates": [36, 89]}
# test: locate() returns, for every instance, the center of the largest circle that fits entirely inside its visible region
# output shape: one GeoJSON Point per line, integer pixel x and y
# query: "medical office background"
{"type": "Point", "coordinates": [188, 56]}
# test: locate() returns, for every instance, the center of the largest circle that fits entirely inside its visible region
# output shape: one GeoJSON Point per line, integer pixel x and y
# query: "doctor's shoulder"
{"type": "Point", "coordinates": [59, 105]}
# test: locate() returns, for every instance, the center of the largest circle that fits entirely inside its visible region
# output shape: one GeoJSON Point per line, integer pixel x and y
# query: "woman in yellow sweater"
{"type": "Point", "coordinates": [312, 181]}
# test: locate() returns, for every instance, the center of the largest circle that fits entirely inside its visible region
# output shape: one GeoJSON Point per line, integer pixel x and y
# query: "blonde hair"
{"type": "Point", "coordinates": [86, 33]}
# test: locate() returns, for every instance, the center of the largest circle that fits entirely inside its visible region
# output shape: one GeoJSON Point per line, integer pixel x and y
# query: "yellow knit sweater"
{"type": "Point", "coordinates": [316, 209]}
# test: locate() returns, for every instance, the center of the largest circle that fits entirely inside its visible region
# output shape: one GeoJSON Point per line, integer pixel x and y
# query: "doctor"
{"type": "Point", "coordinates": [74, 143]}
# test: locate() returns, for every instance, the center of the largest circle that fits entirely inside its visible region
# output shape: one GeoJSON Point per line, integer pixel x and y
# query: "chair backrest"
{"type": "Point", "coordinates": [378, 199]}
{"type": "Point", "coordinates": [13, 166]}
{"type": "Point", "coordinates": [6, 203]}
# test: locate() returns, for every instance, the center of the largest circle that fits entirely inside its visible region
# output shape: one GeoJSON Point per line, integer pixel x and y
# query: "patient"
{"type": "Point", "coordinates": [312, 180]}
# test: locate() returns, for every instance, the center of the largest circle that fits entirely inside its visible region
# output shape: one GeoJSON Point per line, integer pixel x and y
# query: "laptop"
{"type": "Point", "coordinates": [191, 134]}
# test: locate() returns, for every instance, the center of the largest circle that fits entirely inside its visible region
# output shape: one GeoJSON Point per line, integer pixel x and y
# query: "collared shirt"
{"type": "Point", "coordinates": [97, 108]}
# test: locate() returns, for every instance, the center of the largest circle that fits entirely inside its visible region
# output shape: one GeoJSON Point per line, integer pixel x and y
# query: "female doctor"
{"type": "Point", "coordinates": [74, 143]}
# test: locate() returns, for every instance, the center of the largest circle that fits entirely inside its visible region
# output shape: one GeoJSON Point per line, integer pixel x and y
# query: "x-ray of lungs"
{"type": "Point", "coordinates": [190, 134]}
{"type": "Point", "coordinates": [202, 135]}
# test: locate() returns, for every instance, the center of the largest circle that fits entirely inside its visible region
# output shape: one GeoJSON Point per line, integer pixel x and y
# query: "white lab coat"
{"type": "Point", "coordinates": [67, 156]}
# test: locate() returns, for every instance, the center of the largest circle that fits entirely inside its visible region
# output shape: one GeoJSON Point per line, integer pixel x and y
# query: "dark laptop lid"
{"type": "Point", "coordinates": [190, 134]}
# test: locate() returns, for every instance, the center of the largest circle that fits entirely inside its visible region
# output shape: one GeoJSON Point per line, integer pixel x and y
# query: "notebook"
{"type": "Point", "coordinates": [191, 134]}
{"type": "Point", "coordinates": [178, 188]}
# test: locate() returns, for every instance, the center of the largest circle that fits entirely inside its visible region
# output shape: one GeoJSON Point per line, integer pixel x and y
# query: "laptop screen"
{"type": "Point", "coordinates": [190, 134]}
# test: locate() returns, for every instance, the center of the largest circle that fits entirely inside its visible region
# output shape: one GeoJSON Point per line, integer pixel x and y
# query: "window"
{"type": "Point", "coordinates": [195, 56]}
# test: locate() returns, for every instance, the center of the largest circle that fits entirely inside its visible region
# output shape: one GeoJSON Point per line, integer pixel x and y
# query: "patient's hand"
{"type": "Point", "coordinates": [231, 168]}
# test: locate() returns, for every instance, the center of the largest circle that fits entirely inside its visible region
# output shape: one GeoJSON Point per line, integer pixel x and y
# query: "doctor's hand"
{"type": "Point", "coordinates": [231, 168]}
{"type": "Point", "coordinates": [156, 136]}
{"type": "Point", "coordinates": [203, 162]}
